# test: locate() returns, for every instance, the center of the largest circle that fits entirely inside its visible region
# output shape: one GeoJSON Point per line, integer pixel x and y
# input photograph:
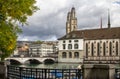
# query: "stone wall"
{"type": "Point", "coordinates": [2, 70]}
{"type": "Point", "coordinates": [91, 71]}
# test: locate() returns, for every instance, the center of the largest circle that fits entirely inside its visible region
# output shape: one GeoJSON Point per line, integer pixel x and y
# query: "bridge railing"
{"type": "Point", "coordinates": [14, 72]}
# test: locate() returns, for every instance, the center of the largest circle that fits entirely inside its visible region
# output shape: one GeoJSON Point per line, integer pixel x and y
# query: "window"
{"type": "Point", "coordinates": [110, 49]}
{"type": "Point", "coordinates": [70, 54]}
{"type": "Point", "coordinates": [63, 46]}
{"type": "Point", "coordinates": [116, 48]}
{"type": "Point", "coordinates": [76, 46]}
{"type": "Point", "coordinates": [92, 49]}
{"type": "Point", "coordinates": [64, 55]}
{"type": "Point", "coordinates": [69, 41]}
{"type": "Point", "coordinates": [75, 40]}
{"type": "Point", "coordinates": [98, 49]}
{"type": "Point", "coordinates": [76, 54]}
{"type": "Point", "coordinates": [104, 49]}
{"type": "Point", "coordinates": [69, 46]}
{"type": "Point", "coordinates": [86, 50]}
{"type": "Point", "coordinates": [63, 41]}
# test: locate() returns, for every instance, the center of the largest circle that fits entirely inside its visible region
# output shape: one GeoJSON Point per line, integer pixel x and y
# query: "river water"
{"type": "Point", "coordinates": [53, 66]}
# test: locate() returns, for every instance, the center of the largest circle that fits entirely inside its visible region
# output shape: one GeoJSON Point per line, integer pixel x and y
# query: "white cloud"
{"type": "Point", "coordinates": [49, 22]}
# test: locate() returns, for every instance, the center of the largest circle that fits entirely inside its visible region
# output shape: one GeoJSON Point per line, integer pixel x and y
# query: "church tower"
{"type": "Point", "coordinates": [71, 24]}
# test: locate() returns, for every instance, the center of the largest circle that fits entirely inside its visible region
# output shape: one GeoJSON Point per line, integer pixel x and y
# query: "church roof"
{"type": "Point", "coordinates": [103, 33]}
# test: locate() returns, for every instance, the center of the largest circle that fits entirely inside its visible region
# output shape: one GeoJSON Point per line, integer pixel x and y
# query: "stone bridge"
{"type": "Point", "coordinates": [23, 60]}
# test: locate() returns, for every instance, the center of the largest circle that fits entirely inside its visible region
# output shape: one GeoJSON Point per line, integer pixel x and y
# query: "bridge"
{"type": "Point", "coordinates": [24, 60]}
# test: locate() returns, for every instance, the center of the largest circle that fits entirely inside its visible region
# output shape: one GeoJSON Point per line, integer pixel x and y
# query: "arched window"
{"type": "Point", "coordinates": [104, 49]}
{"type": "Point", "coordinates": [86, 50]}
{"type": "Point", "coordinates": [69, 46]}
{"type": "Point", "coordinates": [98, 49]}
{"type": "Point", "coordinates": [64, 55]}
{"type": "Point", "coordinates": [110, 49]}
{"type": "Point", "coordinates": [75, 46]}
{"type": "Point", "coordinates": [116, 48]}
{"type": "Point", "coordinates": [76, 54]}
{"type": "Point", "coordinates": [70, 54]}
{"type": "Point", "coordinates": [92, 49]}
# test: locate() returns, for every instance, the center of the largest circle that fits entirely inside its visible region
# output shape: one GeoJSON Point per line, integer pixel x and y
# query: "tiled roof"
{"type": "Point", "coordinates": [104, 33]}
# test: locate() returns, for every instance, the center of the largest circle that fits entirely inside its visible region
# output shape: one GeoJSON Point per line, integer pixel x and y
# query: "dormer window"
{"type": "Point", "coordinates": [73, 35]}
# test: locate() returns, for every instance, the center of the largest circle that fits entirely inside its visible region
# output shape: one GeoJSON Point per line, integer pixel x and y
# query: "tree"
{"type": "Point", "coordinates": [13, 13]}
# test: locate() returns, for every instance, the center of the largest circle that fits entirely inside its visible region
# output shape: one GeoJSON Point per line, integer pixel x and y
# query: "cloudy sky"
{"type": "Point", "coordinates": [49, 23]}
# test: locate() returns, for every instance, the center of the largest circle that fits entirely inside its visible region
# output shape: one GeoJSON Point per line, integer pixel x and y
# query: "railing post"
{"type": "Point", "coordinates": [20, 72]}
{"type": "Point", "coordinates": [7, 72]}
{"type": "Point", "coordinates": [45, 73]}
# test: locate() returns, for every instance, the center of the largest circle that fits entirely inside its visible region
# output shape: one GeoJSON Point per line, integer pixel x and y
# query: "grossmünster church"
{"type": "Point", "coordinates": [90, 45]}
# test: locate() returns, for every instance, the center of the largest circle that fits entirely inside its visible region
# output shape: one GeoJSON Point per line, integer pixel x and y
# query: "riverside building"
{"type": "Point", "coordinates": [70, 46]}
{"type": "Point", "coordinates": [100, 45]}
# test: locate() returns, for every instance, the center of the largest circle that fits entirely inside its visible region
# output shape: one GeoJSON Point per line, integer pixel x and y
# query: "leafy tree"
{"type": "Point", "coordinates": [38, 42]}
{"type": "Point", "coordinates": [13, 13]}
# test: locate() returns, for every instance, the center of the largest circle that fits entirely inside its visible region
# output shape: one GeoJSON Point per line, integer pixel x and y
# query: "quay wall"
{"type": "Point", "coordinates": [98, 71]}
{"type": "Point", "coordinates": [2, 70]}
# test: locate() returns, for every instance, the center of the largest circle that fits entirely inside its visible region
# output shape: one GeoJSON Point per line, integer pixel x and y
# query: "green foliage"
{"type": "Point", "coordinates": [38, 42]}
{"type": "Point", "coordinates": [13, 13]}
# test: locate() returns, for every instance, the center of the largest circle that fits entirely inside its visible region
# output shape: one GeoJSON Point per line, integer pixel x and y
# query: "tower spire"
{"type": "Point", "coordinates": [109, 19]}
{"type": "Point", "coordinates": [101, 23]}
{"type": "Point", "coordinates": [71, 24]}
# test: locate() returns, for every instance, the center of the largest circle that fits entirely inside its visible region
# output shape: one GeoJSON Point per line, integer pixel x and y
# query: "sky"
{"type": "Point", "coordinates": [49, 23]}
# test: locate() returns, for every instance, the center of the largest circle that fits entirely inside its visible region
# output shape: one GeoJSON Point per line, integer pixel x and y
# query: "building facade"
{"type": "Point", "coordinates": [42, 49]}
{"type": "Point", "coordinates": [70, 46]}
{"type": "Point", "coordinates": [102, 46]}
{"type": "Point", "coordinates": [70, 50]}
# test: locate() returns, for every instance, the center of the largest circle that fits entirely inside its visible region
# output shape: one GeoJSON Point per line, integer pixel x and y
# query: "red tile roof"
{"type": "Point", "coordinates": [104, 33]}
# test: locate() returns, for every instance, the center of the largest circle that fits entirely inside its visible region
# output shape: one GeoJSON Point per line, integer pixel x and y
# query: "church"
{"type": "Point", "coordinates": [89, 46]}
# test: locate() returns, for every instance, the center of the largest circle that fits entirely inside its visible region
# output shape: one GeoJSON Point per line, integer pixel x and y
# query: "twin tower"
{"type": "Point", "coordinates": [71, 24]}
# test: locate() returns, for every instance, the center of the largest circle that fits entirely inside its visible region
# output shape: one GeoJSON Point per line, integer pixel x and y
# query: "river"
{"type": "Point", "coordinates": [52, 66]}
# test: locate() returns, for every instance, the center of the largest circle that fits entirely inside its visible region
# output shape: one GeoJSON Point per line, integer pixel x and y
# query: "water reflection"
{"type": "Point", "coordinates": [53, 66]}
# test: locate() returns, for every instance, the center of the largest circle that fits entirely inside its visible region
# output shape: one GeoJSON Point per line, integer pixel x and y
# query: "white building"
{"type": "Point", "coordinates": [70, 50]}
{"type": "Point", "coordinates": [71, 45]}
{"type": "Point", "coordinates": [43, 49]}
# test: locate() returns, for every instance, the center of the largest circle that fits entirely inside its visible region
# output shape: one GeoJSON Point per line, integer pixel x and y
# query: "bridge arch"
{"type": "Point", "coordinates": [14, 61]}
{"type": "Point", "coordinates": [32, 61]}
{"type": "Point", "coordinates": [49, 61]}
